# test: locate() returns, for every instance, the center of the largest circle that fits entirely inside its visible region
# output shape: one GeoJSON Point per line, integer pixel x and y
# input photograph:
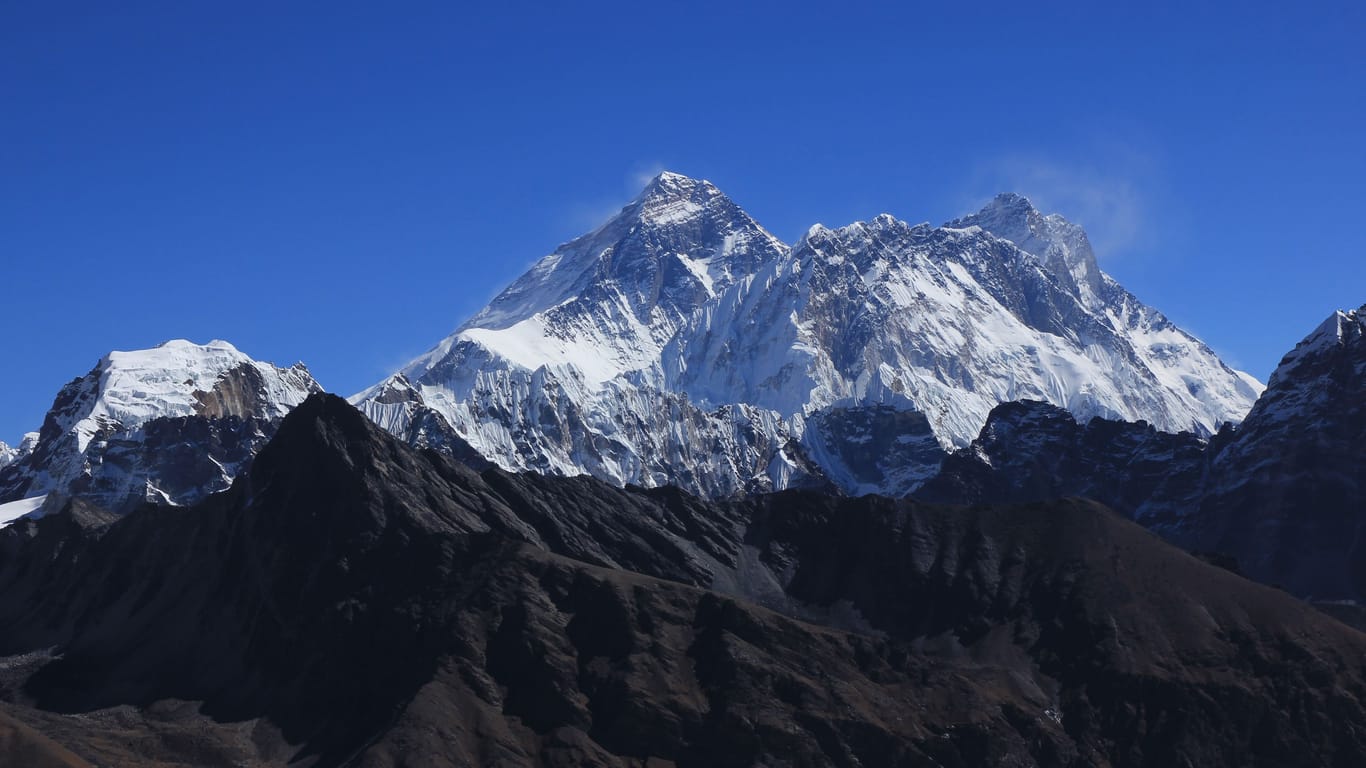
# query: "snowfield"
{"type": "Point", "coordinates": [682, 343]}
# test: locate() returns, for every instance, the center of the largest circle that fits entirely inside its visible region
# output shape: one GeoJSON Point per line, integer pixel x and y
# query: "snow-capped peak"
{"type": "Point", "coordinates": [682, 343]}
{"type": "Point", "coordinates": [1061, 247]}
{"type": "Point", "coordinates": [9, 455]}
{"type": "Point", "coordinates": [1010, 205]}
{"type": "Point", "coordinates": [1340, 328]}
{"type": "Point", "coordinates": [181, 378]}
{"type": "Point", "coordinates": [669, 184]}
{"type": "Point", "coordinates": [671, 198]}
{"type": "Point", "coordinates": [1332, 331]}
{"type": "Point", "coordinates": [677, 244]}
{"type": "Point", "coordinates": [105, 429]}
{"type": "Point", "coordinates": [670, 177]}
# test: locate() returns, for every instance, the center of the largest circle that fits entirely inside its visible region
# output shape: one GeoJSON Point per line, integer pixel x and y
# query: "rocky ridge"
{"type": "Point", "coordinates": [524, 620]}
{"type": "Point", "coordinates": [170, 424]}
{"type": "Point", "coordinates": [682, 343]}
{"type": "Point", "coordinates": [1280, 495]}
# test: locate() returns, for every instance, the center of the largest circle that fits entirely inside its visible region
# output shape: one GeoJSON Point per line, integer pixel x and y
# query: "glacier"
{"type": "Point", "coordinates": [168, 425]}
{"type": "Point", "coordinates": [682, 343]}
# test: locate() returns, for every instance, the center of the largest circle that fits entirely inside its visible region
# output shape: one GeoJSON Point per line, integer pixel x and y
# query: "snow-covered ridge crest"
{"type": "Point", "coordinates": [9, 455]}
{"type": "Point", "coordinates": [181, 378]}
{"type": "Point", "coordinates": [679, 228]}
{"type": "Point", "coordinates": [1283, 492]}
{"type": "Point", "coordinates": [168, 424]}
{"type": "Point", "coordinates": [604, 305]}
{"type": "Point", "coordinates": [1310, 379]}
{"type": "Point", "coordinates": [1061, 247]}
{"type": "Point", "coordinates": [629, 352]}
{"type": "Point", "coordinates": [1335, 331]}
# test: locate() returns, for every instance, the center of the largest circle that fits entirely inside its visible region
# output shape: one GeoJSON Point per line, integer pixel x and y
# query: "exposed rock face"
{"type": "Point", "coordinates": [21, 745]}
{"type": "Point", "coordinates": [1062, 248]}
{"type": "Point", "coordinates": [1032, 451]}
{"type": "Point", "coordinates": [10, 455]}
{"type": "Point", "coordinates": [354, 601]}
{"type": "Point", "coordinates": [1283, 495]}
{"type": "Point", "coordinates": [171, 425]}
{"type": "Point", "coordinates": [873, 449]}
{"type": "Point", "coordinates": [682, 343]}
{"type": "Point", "coordinates": [1286, 493]}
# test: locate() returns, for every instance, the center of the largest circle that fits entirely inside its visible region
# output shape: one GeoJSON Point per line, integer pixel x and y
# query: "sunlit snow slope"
{"type": "Point", "coordinates": [170, 424]}
{"type": "Point", "coordinates": [682, 343]}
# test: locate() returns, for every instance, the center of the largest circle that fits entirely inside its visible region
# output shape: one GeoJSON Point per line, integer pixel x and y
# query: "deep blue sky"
{"type": "Point", "coordinates": [345, 183]}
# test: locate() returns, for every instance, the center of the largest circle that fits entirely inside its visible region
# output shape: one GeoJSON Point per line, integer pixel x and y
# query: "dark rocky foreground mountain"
{"type": "Point", "coordinates": [353, 601]}
{"type": "Point", "coordinates": [1286, 494]}
{"type": "Point", "coordinates": [1283, 494]}
{"type": "Point", "coordinates": [1032, 451]}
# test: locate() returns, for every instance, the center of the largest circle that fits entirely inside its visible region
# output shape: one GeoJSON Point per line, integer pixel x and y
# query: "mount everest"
{"type": "Point", "coordinates": [682, 343]}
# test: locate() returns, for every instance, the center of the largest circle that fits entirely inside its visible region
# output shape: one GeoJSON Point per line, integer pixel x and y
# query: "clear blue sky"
{"type": "Point", "coordinates": [344, 183]}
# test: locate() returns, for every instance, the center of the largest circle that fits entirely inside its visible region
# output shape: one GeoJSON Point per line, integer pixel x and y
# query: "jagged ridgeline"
{"type": "Point", "coordinates": [681, 343]}
{"type": "Point", "coordinates": [353, 601]}
{"type": "Point", "coordinates": [1282, 496]}
{"type": "Point", "coordinates": [204, 560]}
{"type": "Point", "coordinates": [171, 425]}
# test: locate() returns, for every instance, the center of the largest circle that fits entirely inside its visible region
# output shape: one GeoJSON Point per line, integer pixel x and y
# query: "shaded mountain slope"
{"type": "Point", "coordinates": [352, 601]}
{"type": "Point", "coordinates": [1032, 451]}
{"type": "Point", "coordinates": [1283, 494]}
{"type": "Point", "coordinates": [1286, 493]}
{"type": "Point", "coordinates": [21, 745]}
{"type": "Point", "coordinates": [171, 424]}
{"type": "Point", "coordinates": [681, 343]}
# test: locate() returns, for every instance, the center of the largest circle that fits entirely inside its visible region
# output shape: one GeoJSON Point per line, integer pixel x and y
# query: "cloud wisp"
{"type": "Point", "coordinates": [584, 216]}
{"type": "Point", "coordinates": [1107, 199]}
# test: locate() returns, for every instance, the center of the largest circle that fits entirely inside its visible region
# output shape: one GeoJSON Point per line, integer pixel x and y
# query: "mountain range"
{"type": "Point", "coordinates": [1283, 494]}
{"type": "Point", "coordinates": [353, 601]}
{"type": "Point", "coordinates": [681, 343]}
{"type": "Point", "coordinates": [171, 424]}
{"type": "Point", "coordinates": [686, 494]}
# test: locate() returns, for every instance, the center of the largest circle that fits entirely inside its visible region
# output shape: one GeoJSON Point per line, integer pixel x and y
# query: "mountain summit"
{"type": "Point", "coordinates": [1285, 490]}
{"type": "Point", "coordinates": [169, 424]}
{"type": "Point", "coordinates": [682, 343]}
{"type": "Point", "coordinates": [1061, 246]}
